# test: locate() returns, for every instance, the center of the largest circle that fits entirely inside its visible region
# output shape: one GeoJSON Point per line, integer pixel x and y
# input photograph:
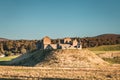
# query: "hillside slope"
{"type": "Point", "coordinates": [60, 58]}
{"type": "Point", "coordinates": [109, 36]}
{"type": "Point", "coordinates": [3, 39]}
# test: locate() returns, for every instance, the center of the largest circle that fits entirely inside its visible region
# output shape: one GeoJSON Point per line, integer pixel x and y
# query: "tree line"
{"type": "Point", "coordinates": [105, 39]}
{"type": "Point", "coordinates": [14, 47]}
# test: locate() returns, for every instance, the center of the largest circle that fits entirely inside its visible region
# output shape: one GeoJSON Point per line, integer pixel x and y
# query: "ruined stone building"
{"type": "Point", "coordinates": [66, 43]}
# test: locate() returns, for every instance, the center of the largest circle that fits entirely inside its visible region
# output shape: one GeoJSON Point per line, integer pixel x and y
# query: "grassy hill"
{"type": "Point", "coordinates": [106, 48]}
{"type": "Point", "coordinates": [60, 65]}
{"type": "Point", "coordinates": [60, 58]}
{"type": "Point", "coordinates": [109, 35]}
{"type": "Point", "coordinates": [109, 53]}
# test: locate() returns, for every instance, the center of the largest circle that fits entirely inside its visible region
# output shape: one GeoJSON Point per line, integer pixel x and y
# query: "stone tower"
{"type": "Point", "coordinates": [75, 42]}
{"type": "Point", "coordinates": [67, 40]}
{"type": "Point", "coordinates": [45, 42]}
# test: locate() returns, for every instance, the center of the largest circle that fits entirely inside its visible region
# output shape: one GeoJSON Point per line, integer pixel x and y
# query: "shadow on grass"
{"type": "Point", "coordinates": [28, 59]}
{"type": "Point", "coordinates": [4, 63]}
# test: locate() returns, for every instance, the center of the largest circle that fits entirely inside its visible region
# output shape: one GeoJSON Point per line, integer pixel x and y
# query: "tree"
{"type": "Point", "coordinates": [8, 53]}
{"type": "Point", "coordinates": [23, 51]}
{"type": "Point", "coordinates": [1, 48]}
{"type": "Point", "coordinates": [8, 45]}
{"type": "Point", "coordinates": [31, 47]}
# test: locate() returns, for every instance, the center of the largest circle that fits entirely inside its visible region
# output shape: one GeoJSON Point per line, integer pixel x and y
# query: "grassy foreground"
{"type": "Point", "coordinates": [36, 73]}
{"type": "Point", "coordinates": [43, 73]}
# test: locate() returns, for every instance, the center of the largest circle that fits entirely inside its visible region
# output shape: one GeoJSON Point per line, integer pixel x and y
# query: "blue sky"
{"type": "Point", "coordinates": [34, 19]}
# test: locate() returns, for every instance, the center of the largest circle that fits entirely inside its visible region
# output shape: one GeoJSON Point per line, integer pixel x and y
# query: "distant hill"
{"type": "Point", "coordinates": [3, 39]}
{"type": "Point", "coordinates": [104, 39]}
{"type": "Point", "coordinates": [109, 36]}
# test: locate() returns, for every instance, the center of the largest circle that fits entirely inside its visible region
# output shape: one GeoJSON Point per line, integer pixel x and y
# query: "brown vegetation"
{"type": "Point", "coordinates": [105, 39]}
{"type": "Point", "coordinates": [60, 58]}
{"type": "Point", "coordinates": [35, 73]}
{"type": "Point", "coordinates": [72, 58]}
{"type": "Point", "coordinates": [13, 47]}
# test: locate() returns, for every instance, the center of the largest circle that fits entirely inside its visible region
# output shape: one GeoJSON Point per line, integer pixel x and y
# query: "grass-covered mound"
{"type": "Point", "coordinates": [60, 58]}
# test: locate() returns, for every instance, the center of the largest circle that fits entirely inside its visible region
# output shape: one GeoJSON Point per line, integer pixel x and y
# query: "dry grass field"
{"type": "Point", "coordinates": [37, 73]}
{"type": "Point", "coordinates": [53, 66]}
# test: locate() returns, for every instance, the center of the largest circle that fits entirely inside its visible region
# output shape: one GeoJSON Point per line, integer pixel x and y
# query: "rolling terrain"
{"type": "Point", "coordinates": [60, 65]}
{"type": "Point", "coordinates": [73, 58]}
{"type": "Point", "coordinates": [93, 63]}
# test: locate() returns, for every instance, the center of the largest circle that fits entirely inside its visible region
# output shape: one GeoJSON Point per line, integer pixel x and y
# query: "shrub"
{"type": "Point", "coordinates": [8, 53]}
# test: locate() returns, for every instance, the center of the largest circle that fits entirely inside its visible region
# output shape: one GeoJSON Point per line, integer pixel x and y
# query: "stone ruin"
{"type": "Point", "coordinates": [66, 43]}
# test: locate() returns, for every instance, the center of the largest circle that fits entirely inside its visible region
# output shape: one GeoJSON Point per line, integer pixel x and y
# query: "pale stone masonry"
{"type": "Point", "coordinates": [67, 43]}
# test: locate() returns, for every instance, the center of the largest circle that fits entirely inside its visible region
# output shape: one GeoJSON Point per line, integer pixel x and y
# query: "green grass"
{"type": "Point", "coordinates": [106, 48]}
{"type": "Point", "coordinates": [9, 58]}
{"type": "Point", "coordinates": [113, 60]}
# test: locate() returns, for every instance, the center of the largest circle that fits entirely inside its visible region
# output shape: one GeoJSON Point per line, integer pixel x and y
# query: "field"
{"type": "Point", "coordinates": [111, 72]}
{"type": "Point", "coordinates": [35, 73]}
{"type": "Point", "coordinates": [106, 48]}
{"type": "Point", "coordinates": [109, 53]}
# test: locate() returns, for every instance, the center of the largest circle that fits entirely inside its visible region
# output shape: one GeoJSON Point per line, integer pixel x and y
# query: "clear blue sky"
{"type": "Point", "coordinates": [34, 19]}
